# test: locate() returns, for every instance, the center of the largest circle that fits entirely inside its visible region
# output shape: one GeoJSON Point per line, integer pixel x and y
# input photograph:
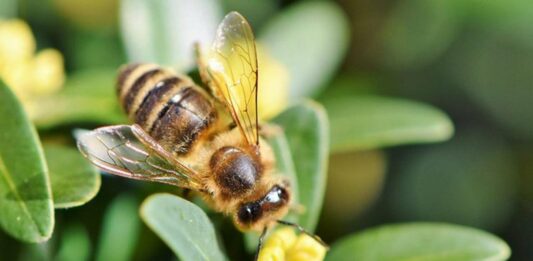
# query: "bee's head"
{"type": "Point", "coordinates": [272, 206]}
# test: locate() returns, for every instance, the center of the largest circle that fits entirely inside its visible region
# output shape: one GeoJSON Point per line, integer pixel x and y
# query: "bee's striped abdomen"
{"type": "Point", "coordinates": [172, 109]}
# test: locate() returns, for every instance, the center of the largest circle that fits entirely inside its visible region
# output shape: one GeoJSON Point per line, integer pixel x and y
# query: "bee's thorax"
{"type": "Point", "coordinates": [235, 171]}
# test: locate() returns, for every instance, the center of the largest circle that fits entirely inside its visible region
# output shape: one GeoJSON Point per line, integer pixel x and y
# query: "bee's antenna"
{"type": "Point", "coordinates": [260, 244]}
{"type": "Point", "coordinates": [301, 229]}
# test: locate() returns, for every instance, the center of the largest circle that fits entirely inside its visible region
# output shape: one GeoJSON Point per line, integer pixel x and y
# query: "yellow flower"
{"type": "Point", "coordinates": [273, 85]}
{"type": "Point", "coordinates": [28, 75]}
{"type": "Point", "coordinates": [48, 72]}
{"type": "Point", "coordinates": [306, 248]}
{"type": "Point", "coordinates": [16, 76]}
{"type": "Point", "coordinates": [285, 245]}
{"type": "Point", "coordinates": [283, 237]}
{"type": "Point", "coordinates": [16, 42]}
{"type": "Point", "coordinates": [272, 254]}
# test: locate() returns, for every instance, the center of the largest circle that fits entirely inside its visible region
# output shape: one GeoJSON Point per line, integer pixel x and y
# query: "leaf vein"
{"type": "Point", "coordinates": [12, 187]}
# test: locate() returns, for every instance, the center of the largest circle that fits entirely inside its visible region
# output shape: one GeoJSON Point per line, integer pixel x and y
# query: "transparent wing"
{"type": "Point", "coordinates": [129, 152]}
{"type": "Point", "coordinates": [230, 69]}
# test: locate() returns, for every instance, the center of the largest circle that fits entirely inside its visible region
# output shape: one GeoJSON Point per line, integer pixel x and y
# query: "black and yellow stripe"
{"type": "Point", "coordinates": [171, 108]}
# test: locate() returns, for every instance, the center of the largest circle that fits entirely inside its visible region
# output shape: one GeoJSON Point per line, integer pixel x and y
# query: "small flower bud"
{"type": "Point", "coordinates": [48, 73]}
{"type": "Point", "coordinates": [271, 254]}
{"type": "Point", "coordinates": [283, 238]}
{"type": "Point", "coordinates": [16, 43]}
{"type": "Point", "coordinates": [306, 248]}
{"type": "Point", "coordinates": [284, 245]}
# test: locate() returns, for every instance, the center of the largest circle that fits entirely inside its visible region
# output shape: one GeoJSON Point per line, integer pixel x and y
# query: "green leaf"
{"type": "Point", "coordinates": [88, 96]}
{"type": "Point", "coordinates": [366, 122]}
{"type": "Point", "coordinates": [418, 32]}
{"type": "Point", "coordinates": [493, 87]}
{"type": "Point", "coordinates": [164, 31]}
{"type": "Point", "coordinates": [8, 9]}
{"type": "Point", "coordinates": [311, 39]}
{"type": "Point", "coordinates": [26, 207]}
{"type": "Point", "coordinates": [183, 226]}
{"type": "Point", "coordinates": [477, 166]}
{"type": "Point", "coordinates": [120, 231]}
{"type": "Point", "coordinates": [75, 245]}
{"type": "Point", "coordinates": [74, 180]}
{"type": "Point", "coordinates": [420, 241]}
{"type": "Point", "coordinates": [307, 130]}
{"type": "Point", "coordinates": [510, 18]}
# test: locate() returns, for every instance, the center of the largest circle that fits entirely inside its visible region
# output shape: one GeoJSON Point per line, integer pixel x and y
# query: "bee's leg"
{"type": "Point", "coordinates": [202, 67]}
{"type": "Point", "coordinates": [260, 244]}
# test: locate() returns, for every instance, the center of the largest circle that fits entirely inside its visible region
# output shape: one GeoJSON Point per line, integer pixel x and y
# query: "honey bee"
{"type": "Point", "coordinates": [181, 137]}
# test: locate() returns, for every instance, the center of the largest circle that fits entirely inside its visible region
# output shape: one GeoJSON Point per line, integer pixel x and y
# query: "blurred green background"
{"type": "Point", "coordinates": [391, 75]}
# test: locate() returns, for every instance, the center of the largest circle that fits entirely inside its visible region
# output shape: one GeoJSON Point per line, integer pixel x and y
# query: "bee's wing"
{"type": "Point", "coordinates": [230, 70]}
{"type": "Point", "coordinates": [128, 151]}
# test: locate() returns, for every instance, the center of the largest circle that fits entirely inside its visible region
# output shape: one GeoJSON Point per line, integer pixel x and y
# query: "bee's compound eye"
{"type": "Point", "coordinates": [249, 213]}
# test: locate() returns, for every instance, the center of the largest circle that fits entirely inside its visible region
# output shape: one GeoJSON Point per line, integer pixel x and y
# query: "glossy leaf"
{"type": "Point", "coordinates": [418, 32]}
{"type": "Point", "coordinates": [88, 96]}
{"type": "Point", "coordinates": [120, 231]}
{"type": "Point", "coordinates": [471, 180]}
{"type": "Point", "coordinates": [510, 18]}
{"type": "Point", "coordinates": [164, 31]}
{"type": "Point", "coordinates": [307, 131]}
{"type": "Point", "coordinates": [75, 245]}
{"type": "Point", "coordinates": [420, 241]}
{"type": "Point", "coordinates": [74, 180]}
{"type": "Point", "coordinates": [183, 226]}
{"type": "Point", "coordinates": [26, 207]}
{"type": "Point", "coordinates": [502, 89]}
{"type": "Point", "coordinates": [310, 39]}
{"type": "Point", "coordinates": [367, 121]}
